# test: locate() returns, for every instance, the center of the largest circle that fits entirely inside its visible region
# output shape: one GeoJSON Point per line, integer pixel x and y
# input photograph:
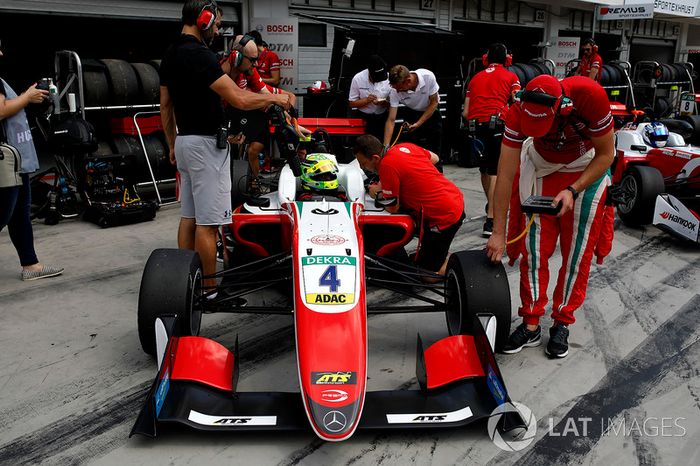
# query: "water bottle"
{"type": "Point", "coordinates": [53, 95]}
{"type": "Point", "coordinates": [261, 160]}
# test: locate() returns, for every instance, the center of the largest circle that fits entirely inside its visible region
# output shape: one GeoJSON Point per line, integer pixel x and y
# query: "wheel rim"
{"type": "Point", "coordinates": [628, 192]}
{"type": "Point", "coordinates": [453, 302]}
{"type": "Point", "coordinates": [195, 308]}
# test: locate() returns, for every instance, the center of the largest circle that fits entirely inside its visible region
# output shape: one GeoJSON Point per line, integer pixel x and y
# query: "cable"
{"type": "Point", "coordinates": [404, 127]}
{"type": "Point", "coordinates": [527, 227]}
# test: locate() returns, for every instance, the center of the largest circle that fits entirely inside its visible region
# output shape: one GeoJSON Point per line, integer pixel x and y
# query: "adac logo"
{"type": "Point", "coordinates": [333, 378]}
{"type": "Point", "coordinates": [330, 298]}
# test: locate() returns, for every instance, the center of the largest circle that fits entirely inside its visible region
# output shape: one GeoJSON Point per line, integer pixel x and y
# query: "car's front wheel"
{"type": "Point", "coordinates": [171, 284]}
{"type": "Point", "coordinates": [638, 189]}
{"type": "Point", "coordinates": [477, 286]}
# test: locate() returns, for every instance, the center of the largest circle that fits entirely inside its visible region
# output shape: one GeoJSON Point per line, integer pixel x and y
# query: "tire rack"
{"type": "Point", "coordinates": [625, 66]}
{"type": "Point", "coordinates": [651, 66]}
{"type": "Point", "coordinates": [74, 80]}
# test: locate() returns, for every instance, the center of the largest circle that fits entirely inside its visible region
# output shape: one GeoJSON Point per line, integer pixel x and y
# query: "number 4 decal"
{"type": "Point", "coordinates": [330, 278]}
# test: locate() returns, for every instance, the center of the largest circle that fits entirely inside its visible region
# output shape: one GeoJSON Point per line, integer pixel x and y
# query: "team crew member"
{"type": "Point", "coordinates": [240, 66]}
{"type": "Point", "coordinates": [192, 85]}
{"type": "Point", "coordinates": [409, 181]}
{"type": "Point", "coordinates": [485, 107]}
{"type": "Point", "coordinates": [591, 63]}
{"type": "Point", "coordinates": [268, 64]}
{"type": "Point", "coordinates": [568, 159]}
{"type": "Point", "coordinates": [418, 91]}
{"type": "Point", "coordinates": [369, 91]}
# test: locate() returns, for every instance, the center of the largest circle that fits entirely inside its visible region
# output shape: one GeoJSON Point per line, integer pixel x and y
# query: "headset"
{"type": "Point", "coordinates": [562, 105]}
{"type": "Point", "coordinates": [207, 17]}
{"type": "Point", "coordinates": [509, 57]}
{"type": "Point", "coordinates": [236, 56]}
{"type": "Point", "coordinates": [592, 43]}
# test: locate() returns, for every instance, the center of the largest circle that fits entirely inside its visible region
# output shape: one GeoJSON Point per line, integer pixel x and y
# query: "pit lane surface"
{"type": "Point", "coordinates": [73, 376]}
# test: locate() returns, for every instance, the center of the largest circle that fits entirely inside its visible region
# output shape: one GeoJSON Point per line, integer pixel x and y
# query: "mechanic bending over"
{"type": "Point", "coordinates": [239, 65]}
{"type": "Point", "coordinates": [568, 159]}
{"type": "Point", "coordinates": [485, 107]}
{"type": "Point", "coordinates": [192, 85]}
{"type": "Point", "coordinates": [410, 181]}
{"type": "Point", "coordinates": [418, 91]}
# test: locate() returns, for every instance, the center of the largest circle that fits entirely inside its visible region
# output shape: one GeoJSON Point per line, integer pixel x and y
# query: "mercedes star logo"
{"type": "Point", "coordinates": [334, 421]}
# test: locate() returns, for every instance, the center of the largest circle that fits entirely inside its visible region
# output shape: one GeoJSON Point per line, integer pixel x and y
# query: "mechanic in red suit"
{"type": "Point", "coordinates": [240, 66]}
{"type": "Point", "coordinates": [410, 181]}
{"type": "Point", "coordinates": [591, 63]}
{"type": "Point", "coordinates": [567, 156]}
{"type": "Point", "coordinates": [485, 107]}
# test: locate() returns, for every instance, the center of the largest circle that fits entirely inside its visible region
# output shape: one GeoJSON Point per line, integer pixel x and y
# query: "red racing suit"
{"type": "Point", "coordinates": [548, 165]}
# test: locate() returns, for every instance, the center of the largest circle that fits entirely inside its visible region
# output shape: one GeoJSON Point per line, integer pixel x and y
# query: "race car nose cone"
{"type": "Point", "coordinates": [334, 422]}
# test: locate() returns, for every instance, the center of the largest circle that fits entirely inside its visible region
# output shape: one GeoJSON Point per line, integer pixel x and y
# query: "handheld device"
{"type": "Point", "coordinates": [541, 205]}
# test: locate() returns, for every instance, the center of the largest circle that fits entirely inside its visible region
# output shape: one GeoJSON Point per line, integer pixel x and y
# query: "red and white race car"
{"type": "Point", "coordinates": [321, 255]}
{"type": "Point", "coordinates": [659, 186]}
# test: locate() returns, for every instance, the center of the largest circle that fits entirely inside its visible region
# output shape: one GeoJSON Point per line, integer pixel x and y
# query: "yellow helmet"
{"type": "Point", "coordinates": [319, 172]}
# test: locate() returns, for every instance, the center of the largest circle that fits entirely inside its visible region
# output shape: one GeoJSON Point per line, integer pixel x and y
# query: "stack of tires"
{"type": "Point", "coordinates": [110, 82]}
{"type": "Point", "coordinates": [613, 74]}
{"type": "Point", "coordinates": [156, 148]}
{"type": "Point", "coordinates": [527, 71]}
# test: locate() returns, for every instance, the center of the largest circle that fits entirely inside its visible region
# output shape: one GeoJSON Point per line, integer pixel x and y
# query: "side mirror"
{"type": "Point", "coordinates": [381, 203]}
{"type": "Point", "coordinates": [638, 148]}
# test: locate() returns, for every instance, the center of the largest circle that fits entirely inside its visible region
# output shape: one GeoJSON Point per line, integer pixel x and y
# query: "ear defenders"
{"type": "Point", "coordinates": [509, 58]}
{"type": "Point", "coordinates": [207, 17]}
{"type": "Point", "coordinates": [237, 55]}
{"type": "Point", "coordinates": [593, 45]}
{"type": "Point", "coordinates": [563, 104]}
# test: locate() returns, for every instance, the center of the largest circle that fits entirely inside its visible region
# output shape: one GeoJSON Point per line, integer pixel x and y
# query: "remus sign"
{"type": "Point", "coordinates": [282, 37]}
{"type": "Point", "coordinates": [629, 11]}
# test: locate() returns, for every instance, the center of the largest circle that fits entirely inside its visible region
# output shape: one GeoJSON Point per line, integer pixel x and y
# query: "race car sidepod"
{"type": "Point", "coordinates": [458, 377]}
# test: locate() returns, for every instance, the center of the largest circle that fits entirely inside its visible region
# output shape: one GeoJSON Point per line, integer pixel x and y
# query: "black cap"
{"type": "Point", "coordinates": [257, 37]}
{"type": "Point", "coordinates": [377, 69]}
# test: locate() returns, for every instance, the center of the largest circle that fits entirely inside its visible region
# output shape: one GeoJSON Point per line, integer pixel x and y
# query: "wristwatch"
{"type": "Point", "coordinates": [574, 193]}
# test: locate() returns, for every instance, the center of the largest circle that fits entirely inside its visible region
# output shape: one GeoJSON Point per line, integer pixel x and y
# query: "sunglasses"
{"type": "Point", "coordinates": [586, 49]}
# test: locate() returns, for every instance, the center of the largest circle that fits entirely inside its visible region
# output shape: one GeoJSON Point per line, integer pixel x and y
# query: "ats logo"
{"type": "Point", "coordinates": [333, 378]}
{"type": "Point", "coordinates": [233, 420]}
{"type": "Point", "coordinates": [679, 220]}
{"type": "Point", "coordinates": [438, 418]}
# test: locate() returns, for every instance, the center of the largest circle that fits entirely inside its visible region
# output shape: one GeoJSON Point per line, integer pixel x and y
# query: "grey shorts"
{"type": "Point", "coordinates": [205, 180]}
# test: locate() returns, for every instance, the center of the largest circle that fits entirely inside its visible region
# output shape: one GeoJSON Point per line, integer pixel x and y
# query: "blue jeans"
{"type": "Point", "coordinates": [15, 212]}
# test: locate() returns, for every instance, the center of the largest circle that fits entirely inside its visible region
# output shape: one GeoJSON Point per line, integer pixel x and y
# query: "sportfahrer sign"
{"type": "Point", "coordinates": [629, 11]}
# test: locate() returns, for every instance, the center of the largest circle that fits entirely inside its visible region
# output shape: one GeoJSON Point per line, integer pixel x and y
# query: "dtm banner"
{"type": "Point", "coordinates": [676, 7]}
{"type": "Point", "coordinates": [281, 35]}
{"type": "Point", "coordinates": [628, 11]}
{"type": "Point", "coordinates": [563, 50]}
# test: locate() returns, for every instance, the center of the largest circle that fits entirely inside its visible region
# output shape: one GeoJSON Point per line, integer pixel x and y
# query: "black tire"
{"type": "Point", "coordinates": [639, 186]}
{"type": "Point", "coordinates": [477, 286]}
{"type": "Point", "coordinates": [240, 175]}
{"type": "Point", "coordinates": [158, 156]}
{"type": "Point", "coordinates": [123, 83]}
{"type": "Point", "coordinates": [694, 121]}
{"type": "Point", "coordinates": [520, 73]}
{"type": "Point", "coordinates": [170, 283]}
{"type": "Point", "coordinates": [530, 71]}
{"type": "Point", "coordinates": [149, 83]}
{"type": "Point", "coordinates": [155, 64]}
{"type": "Point", "coordinates": [540, 68]}
{"type": "Point", "coordinates": [662, 107]}
{"type": "Point", "coordinates": [95, 87]}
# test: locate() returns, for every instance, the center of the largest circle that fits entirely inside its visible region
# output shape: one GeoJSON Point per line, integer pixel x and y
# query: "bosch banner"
{"type": "Point", "coordinates": [282, 37]}
{"type": "Point", "coordinates": [563, 50]}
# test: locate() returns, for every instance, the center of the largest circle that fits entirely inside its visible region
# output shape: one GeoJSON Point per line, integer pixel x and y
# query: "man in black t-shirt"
{"type": "Point", "coordinates": [192, 85]}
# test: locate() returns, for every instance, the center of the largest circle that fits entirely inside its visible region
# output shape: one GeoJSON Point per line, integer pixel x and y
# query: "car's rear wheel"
{"type": "Point", "coordinates": [639, 187]}
{"type": "Point", "coordinates": [171, 284]}
{"type": "Point", "coordinates": [477, 286]}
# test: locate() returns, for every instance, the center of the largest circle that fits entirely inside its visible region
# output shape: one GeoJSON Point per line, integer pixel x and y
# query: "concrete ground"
{"type": "Point", "coordinates": [73, 376]}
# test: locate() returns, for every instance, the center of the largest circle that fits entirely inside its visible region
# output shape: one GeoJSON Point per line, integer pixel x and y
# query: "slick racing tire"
{"type": "Point", "coordinates": [476, 286]}
{"type": "Point", "coordinates": [240, 177]}
{"type": "Point", "coordinates": [639, 187]}
{"type": "Point", "coordinates": [170, 284]}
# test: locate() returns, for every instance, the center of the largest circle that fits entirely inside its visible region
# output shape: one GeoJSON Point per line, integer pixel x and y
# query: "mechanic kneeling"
{"type": "Point", "coordinates": [410, 181]}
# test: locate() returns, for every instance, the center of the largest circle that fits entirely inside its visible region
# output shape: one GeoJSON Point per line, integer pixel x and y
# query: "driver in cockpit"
{"type": "Point", "coordinates": [319, 179]}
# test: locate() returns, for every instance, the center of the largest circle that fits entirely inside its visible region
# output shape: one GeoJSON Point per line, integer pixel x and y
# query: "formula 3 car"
{"type": "Point", "coordinates": [659, 186]}
{"type": "Point", "coordinates": [321, 255]}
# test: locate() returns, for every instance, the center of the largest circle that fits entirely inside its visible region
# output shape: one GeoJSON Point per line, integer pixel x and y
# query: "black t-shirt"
{"type": "Point", "coordinates": [188, 69]}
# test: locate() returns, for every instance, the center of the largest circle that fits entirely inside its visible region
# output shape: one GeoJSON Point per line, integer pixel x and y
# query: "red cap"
{"type": "Point", "coordinates": [537, 118]}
